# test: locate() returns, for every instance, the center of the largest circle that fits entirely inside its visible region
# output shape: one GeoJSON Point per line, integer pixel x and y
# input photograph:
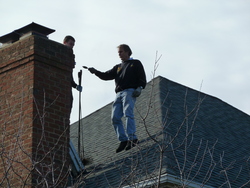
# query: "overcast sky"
{"type": "Point", "coordinates": [205, 44]}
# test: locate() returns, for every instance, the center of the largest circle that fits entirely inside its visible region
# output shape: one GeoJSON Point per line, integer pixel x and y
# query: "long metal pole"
{"type": "Point", "coordinates": [79, 119]}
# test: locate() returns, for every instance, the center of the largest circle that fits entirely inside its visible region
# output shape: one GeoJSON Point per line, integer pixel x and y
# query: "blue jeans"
{"type": "Point", "coordinates": [124, 106]}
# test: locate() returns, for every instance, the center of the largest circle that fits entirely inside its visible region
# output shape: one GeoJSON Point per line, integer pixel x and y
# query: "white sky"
{"type": "Point", "coordinates": [204, 43]}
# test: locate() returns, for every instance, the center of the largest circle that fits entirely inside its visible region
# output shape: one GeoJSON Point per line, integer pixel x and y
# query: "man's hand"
{"type": "Point", "coordinates": [137, 92]}
{"type": "Point", "coordinates": [79, 88]}
{"type": "Point", "coordinates": [92, 70]}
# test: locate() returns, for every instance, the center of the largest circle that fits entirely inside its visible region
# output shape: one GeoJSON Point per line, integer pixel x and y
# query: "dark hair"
{"type": "Point", "coordinates": [126, 48]}
{"type": "Point", "coordinates": [68, 38]}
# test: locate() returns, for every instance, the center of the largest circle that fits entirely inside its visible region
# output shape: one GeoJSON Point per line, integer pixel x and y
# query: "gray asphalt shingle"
{"type": "Point", "coordinates": [205, 132]}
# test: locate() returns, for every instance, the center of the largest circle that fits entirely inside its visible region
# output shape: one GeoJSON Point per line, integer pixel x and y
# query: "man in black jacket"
{"type": "Point", "coordinates": [70, 42]}
{"type": "Point", "coordinates": [130, 79]}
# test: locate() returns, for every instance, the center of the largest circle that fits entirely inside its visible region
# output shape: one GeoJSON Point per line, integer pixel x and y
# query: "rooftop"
{"type": "Point", "coordinates": [185, 133]}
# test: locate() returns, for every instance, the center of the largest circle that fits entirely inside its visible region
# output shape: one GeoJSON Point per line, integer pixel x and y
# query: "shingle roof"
{"type": "Point", "coordinates": [202, 139]}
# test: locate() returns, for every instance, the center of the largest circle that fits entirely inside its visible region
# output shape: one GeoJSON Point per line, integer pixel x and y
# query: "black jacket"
{"type": "Point", "coordinates": [128, 74]}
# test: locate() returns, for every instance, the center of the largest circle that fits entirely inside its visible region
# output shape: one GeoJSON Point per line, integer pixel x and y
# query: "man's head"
{"type": "Point", "coordinates": [124, 52]}
{"type": "Point", "coordinates": [69, 41]}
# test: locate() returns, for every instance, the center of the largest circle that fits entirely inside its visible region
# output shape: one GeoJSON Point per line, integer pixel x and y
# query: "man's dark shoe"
{"type": "Point", "coordinates": [122, 146]}
{"type": "Point", "coordinates": [131, 144]}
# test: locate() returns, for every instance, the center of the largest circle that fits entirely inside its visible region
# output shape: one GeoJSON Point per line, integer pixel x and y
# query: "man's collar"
{"type": "Point", "coordinates": [128, 59]}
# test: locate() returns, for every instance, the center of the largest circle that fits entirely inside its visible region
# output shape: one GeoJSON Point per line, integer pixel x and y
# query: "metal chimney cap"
{"type": "Point", "coordinates": [31, 29]}
{"type": "Point", "coordinates": [11, 37]}
{"type": "Point", "coordinates": [34, 27]}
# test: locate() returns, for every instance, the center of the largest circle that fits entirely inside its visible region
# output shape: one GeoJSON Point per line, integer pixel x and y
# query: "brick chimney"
{"type": "Point", "coordinates": [35, 108]}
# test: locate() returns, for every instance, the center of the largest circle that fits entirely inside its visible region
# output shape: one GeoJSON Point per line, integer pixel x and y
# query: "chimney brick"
{"type": "Point", "coordinates": [35, 95]}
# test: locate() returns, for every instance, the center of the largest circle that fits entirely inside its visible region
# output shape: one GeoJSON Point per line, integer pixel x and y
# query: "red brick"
{"type": "Point", "coordinates": [33, 73]}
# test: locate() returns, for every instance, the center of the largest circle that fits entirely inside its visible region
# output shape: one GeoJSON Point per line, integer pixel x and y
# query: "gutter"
{"type": "Point", "coordinates": [167, 178]}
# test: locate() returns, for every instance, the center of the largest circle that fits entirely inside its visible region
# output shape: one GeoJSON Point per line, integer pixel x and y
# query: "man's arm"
{"type": "Point", "coordinates": [74, 85]}
{"type": "Point", "coordinates": [141, 76]}
{"type": "Point", "coordinates": [108, 75]}
{"type": "Point", "coordinates": [141, 80]}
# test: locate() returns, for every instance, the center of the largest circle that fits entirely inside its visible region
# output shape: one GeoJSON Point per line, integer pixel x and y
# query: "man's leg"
{"type": "Point", "coordinates": [128, 110]}
{"type": "Point", "coordinates": [117, 113]}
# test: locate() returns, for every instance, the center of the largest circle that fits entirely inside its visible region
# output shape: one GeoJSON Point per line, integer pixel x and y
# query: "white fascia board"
{"type": "Point", "coordinates": [170, 179]}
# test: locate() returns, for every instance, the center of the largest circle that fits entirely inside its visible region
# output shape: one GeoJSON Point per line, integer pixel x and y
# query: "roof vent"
{"type": "Point", "coordinates": [31, 29]}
